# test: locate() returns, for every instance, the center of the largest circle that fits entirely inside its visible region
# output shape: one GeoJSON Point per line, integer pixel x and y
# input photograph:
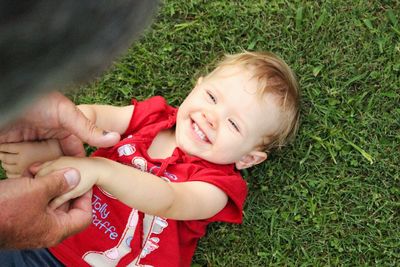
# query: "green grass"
{"type": "Point", "coordinates": [332, 197]}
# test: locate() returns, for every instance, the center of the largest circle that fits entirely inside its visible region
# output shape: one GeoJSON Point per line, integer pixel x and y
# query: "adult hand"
{"type": "Point", "coordinates": [27, 220]}
{"type": "Point", "coordinates": [90, 169]}
{"type": "Point", "coordinates": [55, 117]}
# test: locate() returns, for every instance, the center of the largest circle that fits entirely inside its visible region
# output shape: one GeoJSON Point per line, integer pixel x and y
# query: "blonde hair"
{"type": "Point", "coordinates": [274, 76]}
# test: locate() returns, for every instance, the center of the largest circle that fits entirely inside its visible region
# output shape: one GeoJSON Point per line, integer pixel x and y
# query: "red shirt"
{"type": "Point", "coordinates": [121, 235]}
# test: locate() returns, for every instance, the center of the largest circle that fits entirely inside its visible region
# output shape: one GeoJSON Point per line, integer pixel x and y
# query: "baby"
{"type": "Point", "coordinates": [247, 106]}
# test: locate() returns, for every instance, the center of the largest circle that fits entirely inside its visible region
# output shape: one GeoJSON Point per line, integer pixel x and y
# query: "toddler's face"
{"type": "Point", "coordinates": [223, 120]}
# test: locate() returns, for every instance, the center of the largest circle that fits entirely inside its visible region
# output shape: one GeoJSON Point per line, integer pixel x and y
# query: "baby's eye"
{"type": "Point", "coordinates": [234, 125]}
{"type": "Point", "coordinates": [212, 97]}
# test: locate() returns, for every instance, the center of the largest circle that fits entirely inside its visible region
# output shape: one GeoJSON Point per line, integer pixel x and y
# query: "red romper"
{"type": "Point", "coordinates": [122, 236]}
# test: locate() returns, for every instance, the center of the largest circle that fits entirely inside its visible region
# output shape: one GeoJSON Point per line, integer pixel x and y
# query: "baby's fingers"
{"type": "Point", "coordinates": [9, 147]}
{"type": "Point", "coordinates": [11, 169]}
{"type": "Point", "coordinates": [11, 176]}
{"type": "Point", "coordinates": [8, 158]}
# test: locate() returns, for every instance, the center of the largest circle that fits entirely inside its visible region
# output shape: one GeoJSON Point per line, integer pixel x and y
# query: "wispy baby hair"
{"type": "Point", "coordinates": [274, 77]}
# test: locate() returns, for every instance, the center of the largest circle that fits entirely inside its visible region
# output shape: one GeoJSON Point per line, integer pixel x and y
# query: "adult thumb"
{"type": "Point", "coordinates": [74, 121]}
{"type": "Point", "coordinates": [59, 182]}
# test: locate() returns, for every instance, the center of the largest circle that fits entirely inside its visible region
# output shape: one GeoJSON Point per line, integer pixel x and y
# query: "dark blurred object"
{"type": "Point", "coordinates": [53, 44]}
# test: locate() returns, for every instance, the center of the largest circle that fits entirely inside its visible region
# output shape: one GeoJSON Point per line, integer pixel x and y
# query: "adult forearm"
{"type": "Point", "coordinates": [137, 189]}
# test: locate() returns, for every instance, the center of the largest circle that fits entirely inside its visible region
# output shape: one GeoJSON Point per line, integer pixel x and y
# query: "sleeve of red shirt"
{"type": "Point", "coordinates": [233, 185]}
{"type": "Point", "coordinates": [147, 112]}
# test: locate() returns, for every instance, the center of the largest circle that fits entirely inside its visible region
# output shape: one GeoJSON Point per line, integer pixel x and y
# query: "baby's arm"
{"type": "Point", "coordinates": [17, 157]}
{"type": "Point", "coordinates": [141, 190]}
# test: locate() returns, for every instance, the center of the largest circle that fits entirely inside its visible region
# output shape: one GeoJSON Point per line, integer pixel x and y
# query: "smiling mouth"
{"type": "Point", "coordinates": [199, 132]}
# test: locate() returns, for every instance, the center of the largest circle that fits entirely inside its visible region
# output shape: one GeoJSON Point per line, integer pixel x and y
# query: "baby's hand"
{"type": "Point", "coordinates": [89, 168]}
{"type": "Point", "coordinates": [17, 157]}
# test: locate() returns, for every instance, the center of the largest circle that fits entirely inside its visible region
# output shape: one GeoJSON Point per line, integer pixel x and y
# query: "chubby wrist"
{"type": "Point", "coordinates": [104, 168]}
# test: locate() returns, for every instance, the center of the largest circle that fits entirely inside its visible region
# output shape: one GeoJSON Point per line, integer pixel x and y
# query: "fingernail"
{"type": "Point", "coordinates": [72, 177]}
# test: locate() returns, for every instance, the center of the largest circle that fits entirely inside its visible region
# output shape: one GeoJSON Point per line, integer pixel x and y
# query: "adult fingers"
{"type": "Point", "coordinates": [59, 182]}
{"type": "Point", "coordinates": [72, 146]}
{"type": "Point", "coordinates": [59, 201]}
{"type": "Point", "coordinates": [84, 202]}
{"type": "Point", "coordinates": [67, 220]}
{"type": "Point", "coordinates": [74, 121]}
{"type": "Point", "coordinates": [64, 207]}
{"type": "Point", "coordinates": [79, 215]}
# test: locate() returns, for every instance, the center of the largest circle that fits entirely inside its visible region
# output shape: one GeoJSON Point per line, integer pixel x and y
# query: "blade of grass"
{"type": "Point", "coordinates": [320, 20]}
{"type": "Point", "coordinates": [368, 23]}
{"type": "Point", "coordinates": [299, 17]}
{"type": "Point", "coordinates": [354, 79]}
{"type": "Point", "coordinates": [392, 17]}
{"type": "Point", "coordinates": [359, 149]}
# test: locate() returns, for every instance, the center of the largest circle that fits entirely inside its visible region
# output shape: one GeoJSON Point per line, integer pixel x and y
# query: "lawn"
{"type": "Point", "coordinates": [330, 198]}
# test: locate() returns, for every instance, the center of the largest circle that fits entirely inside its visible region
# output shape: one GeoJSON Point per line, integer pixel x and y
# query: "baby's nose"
{"type": "Point", "coordinates": [210, 119]}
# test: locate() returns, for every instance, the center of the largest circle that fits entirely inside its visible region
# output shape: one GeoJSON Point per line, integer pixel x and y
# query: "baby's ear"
{"type": "Point", "coordinates": [253, 158]}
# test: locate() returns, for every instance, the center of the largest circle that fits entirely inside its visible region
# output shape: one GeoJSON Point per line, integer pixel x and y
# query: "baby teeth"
{"type": "Point", "coordinates": [199, 132]}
